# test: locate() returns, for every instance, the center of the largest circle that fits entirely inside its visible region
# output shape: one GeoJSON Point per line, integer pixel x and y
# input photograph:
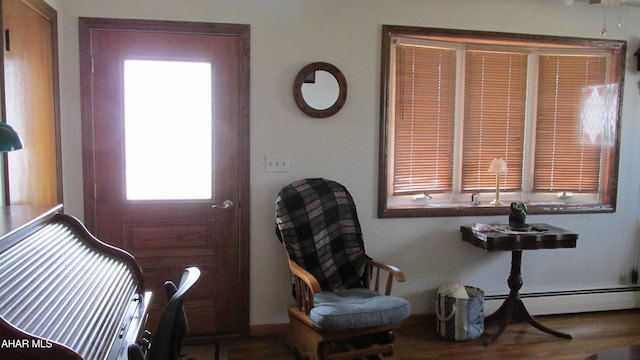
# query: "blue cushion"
{"type": "Point", "coordinates": [357, 308]}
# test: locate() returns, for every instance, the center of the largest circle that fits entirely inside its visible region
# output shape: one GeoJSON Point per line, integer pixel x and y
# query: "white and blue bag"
{"type": "Point", "coordinates": [459, 312]}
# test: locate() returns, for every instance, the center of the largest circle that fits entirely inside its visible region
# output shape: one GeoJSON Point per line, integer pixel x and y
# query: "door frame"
{"type": "Point", "coordinates": [86, 26]}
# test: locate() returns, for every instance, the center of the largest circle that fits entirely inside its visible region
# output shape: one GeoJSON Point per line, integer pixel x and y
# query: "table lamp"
{"type": "Point", "coordinates": [9, 138]}
{"type": "Point", "coordinates": [497, 166]}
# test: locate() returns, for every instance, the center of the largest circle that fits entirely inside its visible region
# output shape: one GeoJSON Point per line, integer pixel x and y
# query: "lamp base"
{"type": "Point", "coordinates": [496, 202]}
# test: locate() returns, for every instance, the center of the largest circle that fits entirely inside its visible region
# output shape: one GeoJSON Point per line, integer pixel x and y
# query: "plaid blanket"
{"type": "Point", "coordinates": [317, 221]}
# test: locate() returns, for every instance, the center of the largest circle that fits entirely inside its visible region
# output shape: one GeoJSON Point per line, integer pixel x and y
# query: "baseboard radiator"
{"type": "Point", "coordinates": [574, 301]}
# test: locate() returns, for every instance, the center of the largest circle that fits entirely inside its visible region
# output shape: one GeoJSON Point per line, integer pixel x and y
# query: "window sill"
{"type": "Point", "coordinates": [534, 208]}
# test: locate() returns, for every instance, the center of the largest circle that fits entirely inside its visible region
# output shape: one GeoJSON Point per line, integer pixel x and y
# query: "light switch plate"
{"type": "Point", "coordinates": [276, 163]}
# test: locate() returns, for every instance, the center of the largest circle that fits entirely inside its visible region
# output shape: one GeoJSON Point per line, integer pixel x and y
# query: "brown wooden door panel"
{"type": "Point", "coordinates": [177, 238]}
{"type": "Point", "coordinates": [168, 235]}
{"type": "Point", "coordinates": [31, 97]}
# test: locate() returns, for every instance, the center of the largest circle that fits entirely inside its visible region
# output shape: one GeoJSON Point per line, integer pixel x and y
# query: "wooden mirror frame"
{"type": "Point", "coordinates": [302, 103]}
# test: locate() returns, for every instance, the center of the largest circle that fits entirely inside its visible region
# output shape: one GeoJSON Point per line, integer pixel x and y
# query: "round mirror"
{"type": "Point", "coordinates": [320, 89]}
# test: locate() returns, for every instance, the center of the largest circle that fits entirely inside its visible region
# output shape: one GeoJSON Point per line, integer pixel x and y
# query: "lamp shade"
{"type": "Point", "coordinates": [497, 166]}
{"type": "Point", "coordinates": [9, 138]}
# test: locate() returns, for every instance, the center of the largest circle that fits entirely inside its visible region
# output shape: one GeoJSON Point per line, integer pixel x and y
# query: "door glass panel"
{"type": "Point", "coordinates": [168, 137]}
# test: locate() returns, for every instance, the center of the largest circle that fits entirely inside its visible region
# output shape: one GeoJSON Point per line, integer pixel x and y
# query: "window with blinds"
{"type": "Point", "coordinates": [424, 119]}
{"type": "Point", "coordinates": [495, 88]}
{"type": "Point", "coordinates": [452, 101]}
{"type": "Point", "coordinates": [571, 122]}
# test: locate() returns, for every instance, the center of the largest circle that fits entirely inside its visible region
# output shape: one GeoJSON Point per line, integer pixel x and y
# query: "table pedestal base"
{"type": "Point", "coordinates": [513, 308]}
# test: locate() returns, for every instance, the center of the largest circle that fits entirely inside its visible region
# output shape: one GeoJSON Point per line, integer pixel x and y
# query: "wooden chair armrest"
{"type": "Point", "coordinates": [305, 276]}
{"type": "Point", "coordinates": [304, 286]}
{"type": "Point", "coordinates": [374, 272]}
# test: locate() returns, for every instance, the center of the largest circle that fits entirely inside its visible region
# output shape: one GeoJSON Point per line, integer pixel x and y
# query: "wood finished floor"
{"type": "Point", "coordinates": [592, 332]}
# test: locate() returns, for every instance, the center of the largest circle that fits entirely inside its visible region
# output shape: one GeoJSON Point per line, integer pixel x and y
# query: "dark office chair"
{"type": "Point", "coordinates": [172, 328]}
{"type": "Point", "coordinates": [339, 310]}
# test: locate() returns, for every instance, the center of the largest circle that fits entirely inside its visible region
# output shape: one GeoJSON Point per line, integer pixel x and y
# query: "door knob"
{"type": "Point", "coordinates": [227, 204]}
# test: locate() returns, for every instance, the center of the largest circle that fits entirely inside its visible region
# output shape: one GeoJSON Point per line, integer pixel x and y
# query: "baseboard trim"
{"type": "Point", "coordinates": [268, 330]}
{"type": "Point", "coordinates": [540, 303]}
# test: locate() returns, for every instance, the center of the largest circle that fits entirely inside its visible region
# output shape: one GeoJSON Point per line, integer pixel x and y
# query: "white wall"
{"type": "Point", "coordinates": [288, 34]}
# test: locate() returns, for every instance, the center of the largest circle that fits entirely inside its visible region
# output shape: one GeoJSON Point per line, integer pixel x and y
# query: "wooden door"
{"type": "Point", "coordinates": [140, 182]}
{"type": "Point", "coordinates": [31, 98]}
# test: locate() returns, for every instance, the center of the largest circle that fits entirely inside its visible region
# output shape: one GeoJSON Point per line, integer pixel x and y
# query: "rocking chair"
{"type": "Point", "coordinates": [339, 312]}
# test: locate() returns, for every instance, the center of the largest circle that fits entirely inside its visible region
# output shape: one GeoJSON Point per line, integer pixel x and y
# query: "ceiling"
{"type": "Point", "coordinates": [623, 2]}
